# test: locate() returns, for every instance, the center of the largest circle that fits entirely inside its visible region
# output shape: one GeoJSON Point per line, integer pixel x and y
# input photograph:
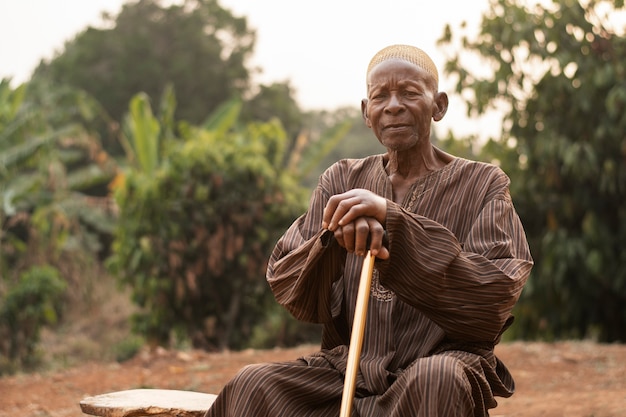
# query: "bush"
{"type": "Point", "coordinates": [194, 236]}
{"type": "Point", "coordinates": [32, 302]}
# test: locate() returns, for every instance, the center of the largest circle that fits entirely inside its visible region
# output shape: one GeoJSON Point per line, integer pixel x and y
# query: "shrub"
{"type": "Point", "coordinates": [196, 230]}
{"type": "Point", "coordinates": [32, 302]}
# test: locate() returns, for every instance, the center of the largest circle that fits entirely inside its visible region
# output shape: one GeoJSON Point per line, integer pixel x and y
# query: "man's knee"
{"type": "Point", "coordinates": [440, 378]}
{"type": "Point", "coordinates": [249, 377]}
{"type": "Point", "coordinates": [447, 369]}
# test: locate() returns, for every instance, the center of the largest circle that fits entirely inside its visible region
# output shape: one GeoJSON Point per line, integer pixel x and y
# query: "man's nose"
{"type": "Point", "coordinates": [394, 104]}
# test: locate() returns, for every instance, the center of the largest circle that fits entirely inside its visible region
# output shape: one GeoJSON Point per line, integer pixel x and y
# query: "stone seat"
{"type": "Point", "coordinates": [148, 402]}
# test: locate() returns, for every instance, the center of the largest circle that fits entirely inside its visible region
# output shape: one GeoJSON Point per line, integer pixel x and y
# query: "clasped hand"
{"type": "Point", "coordinates": [357, 218]}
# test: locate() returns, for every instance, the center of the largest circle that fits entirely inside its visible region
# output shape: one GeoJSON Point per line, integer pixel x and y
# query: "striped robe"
{"type": "Point", "coordinates": [438, 306]}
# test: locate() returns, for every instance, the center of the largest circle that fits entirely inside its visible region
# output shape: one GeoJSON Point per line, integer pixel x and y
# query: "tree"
{"type": "Point", "coordinates": [559, 75]}
{"type": "Point", "coordinates": [52, 171]}
{"type": "Point", "coordinates": [197, 222]}
{"type": "Point", "coordinates": [275, 101]}
{"type": "Point", "coordinates": [52, 223]}
{"type": "Point", "coordinates": [198, 47]}
{"type": "Point", "coordinates": [201, 208]}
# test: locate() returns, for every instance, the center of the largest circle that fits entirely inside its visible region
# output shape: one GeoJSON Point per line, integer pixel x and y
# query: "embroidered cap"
{"type": "Point", "coordinates": [407, 53]}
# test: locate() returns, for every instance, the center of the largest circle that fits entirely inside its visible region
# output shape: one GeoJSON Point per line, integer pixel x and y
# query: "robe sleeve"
{"type": "Point", "coordinates": [304, 264]}
{"type": "Point", "coordinates": [468, 288]}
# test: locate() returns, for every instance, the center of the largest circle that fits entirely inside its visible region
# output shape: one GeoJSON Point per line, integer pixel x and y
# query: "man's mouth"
{"type": "Point", "coordinates": [396, 126]}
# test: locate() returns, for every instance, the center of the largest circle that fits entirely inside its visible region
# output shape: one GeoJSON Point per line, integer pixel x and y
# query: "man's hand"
{"type": "Point", "coordinates": [357, 217]}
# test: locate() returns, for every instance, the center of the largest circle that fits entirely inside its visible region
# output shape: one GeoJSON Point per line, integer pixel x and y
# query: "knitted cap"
{"type": "Point", "coordinates": [407, 53]}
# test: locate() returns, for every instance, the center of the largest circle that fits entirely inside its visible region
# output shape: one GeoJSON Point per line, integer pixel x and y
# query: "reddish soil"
{"type": "Point", "coordinates": [573, 379]}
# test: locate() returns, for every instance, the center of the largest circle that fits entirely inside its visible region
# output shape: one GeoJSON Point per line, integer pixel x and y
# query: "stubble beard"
{"type": "Point", "coordinates": [415, 140]}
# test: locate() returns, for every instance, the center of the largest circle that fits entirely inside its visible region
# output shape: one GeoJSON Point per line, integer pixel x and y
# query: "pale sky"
{"type": "Point", "coordinates": [321, 46]}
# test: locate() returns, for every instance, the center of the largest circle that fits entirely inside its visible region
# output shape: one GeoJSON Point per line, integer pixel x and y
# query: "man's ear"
{"type": "Point", "coordinates": [441, 101]}
{"type": "Point", "coordinates": [364, 112]}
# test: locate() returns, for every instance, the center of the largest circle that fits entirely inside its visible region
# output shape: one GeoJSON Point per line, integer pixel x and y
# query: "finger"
{"type": "Point", "coordinates": [329, 211]}
{"type": "Point", "coordinates": [361, 232]}
{"type": "Point", "coordinates": [336, 209]}
{"type": "Point", "coordinates": [338, 233]}
{"type": "Point", "coordinates": [383, 253]}
{"type": "Point", "coordinates": [349, 211]}
{"type": "Point", "coordinates": [362, 205]}
{"type": "Point", "coordinates": [376, 236]}
{"type": "Point", "coordinates": [348, 236]}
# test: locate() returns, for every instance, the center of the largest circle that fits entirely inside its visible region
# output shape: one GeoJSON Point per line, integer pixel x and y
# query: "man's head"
{"type": "Point", "coordinates": [402, 97]}
{"type": "Point", "coordinates": [406, 53]}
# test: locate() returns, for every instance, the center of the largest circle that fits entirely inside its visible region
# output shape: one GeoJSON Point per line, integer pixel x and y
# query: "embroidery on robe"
{"type": "Point", "coordinates": [378, 291]}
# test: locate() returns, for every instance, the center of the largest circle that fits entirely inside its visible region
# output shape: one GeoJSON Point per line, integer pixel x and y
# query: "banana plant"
{"type": "Point", "coordinates": [142, 131]}
{"type": "Point", "coordinates": [50, 163]}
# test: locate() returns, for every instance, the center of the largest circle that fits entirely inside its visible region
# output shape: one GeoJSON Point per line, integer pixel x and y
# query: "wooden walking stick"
{"type": "Point", "coordinates": [356, 338]}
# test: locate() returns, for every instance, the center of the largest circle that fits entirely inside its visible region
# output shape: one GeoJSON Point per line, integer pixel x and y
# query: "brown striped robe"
{"type": "Point", "coordinates": [458, 262]}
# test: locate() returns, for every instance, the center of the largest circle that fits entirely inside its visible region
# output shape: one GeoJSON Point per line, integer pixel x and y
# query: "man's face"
{"type": "Point", "coordinates": [400, 104]}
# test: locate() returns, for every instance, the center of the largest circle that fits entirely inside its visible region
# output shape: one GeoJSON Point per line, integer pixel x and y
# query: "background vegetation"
{"type": "Point", "coordinates": [142, 178]}
{"type": "Point", "coordinates": [560, 75]}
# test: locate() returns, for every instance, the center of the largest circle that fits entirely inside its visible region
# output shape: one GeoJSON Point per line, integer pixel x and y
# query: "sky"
{"type": "Point", "coordinates": [321, 47]}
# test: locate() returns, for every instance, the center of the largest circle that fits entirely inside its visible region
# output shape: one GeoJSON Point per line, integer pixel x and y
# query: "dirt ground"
{"type": "Point", "coordinates": [568, 379]}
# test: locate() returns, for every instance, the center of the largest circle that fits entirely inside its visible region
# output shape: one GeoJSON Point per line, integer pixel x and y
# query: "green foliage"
{"type": "Point", "coordinates": [560, 77]}
{"type": "Point", "coordinates": [197, 47]}
{"type": "Point", "coordinates": [128, 348]}
{"type": "Point", "coordinates": [195, 234]}
{"type": "Point", "coordinates": [275, 101]}
{"type": "Point", "coordinates": [54, 211]}
{"type": "Point", "coordinates": [28, 304]}
{"type": "Point", "coordinates": [351, 139]}
{"type": "Point", "coordinates": [280, 329]}
{"type": "Point", "coordinates": [144, 130]}
{"type": "Point", "coordinates": [53, 173]}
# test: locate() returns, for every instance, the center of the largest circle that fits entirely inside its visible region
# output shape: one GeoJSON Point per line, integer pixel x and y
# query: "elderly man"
{"type": "Point", "coordinates": [451, 262]}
